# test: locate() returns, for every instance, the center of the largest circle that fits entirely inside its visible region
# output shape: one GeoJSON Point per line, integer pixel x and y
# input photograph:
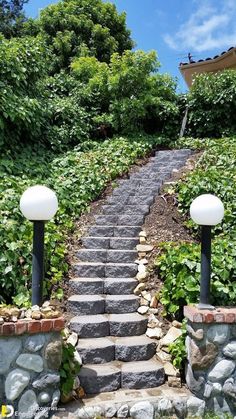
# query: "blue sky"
{"type": "Point", "coordinates": [174, 27]}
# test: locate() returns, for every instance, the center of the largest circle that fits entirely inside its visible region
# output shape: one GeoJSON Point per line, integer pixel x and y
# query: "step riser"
{"type": "Point", "coordinates": [122, 306]}
{"type": "Point", "coordinates": [88, 287]}
{"type": "Point", "coordinates": [86, 307]}
{"type": "Point", "coordinates": [97, 329]}
{"type": "Point", "coordinates": [116, 287]}
{"type": "Point", "coordinates": [128, 270]}
{"type": "Point", "coordinates": [125, 209]}
{"type": "Point", "coordinates": [118, 231]}
{"type": "Point", "coordinates": [100, 384]}
{"type": "Point", "coordinates": [110, 243]}
{"type": "Point", "coordinates": [143, 379]}
{"type": "Point", "coordinates": [96, 243]}
{"type": "Point", "coordinates": [128, 329]}
{"type": "Point", "coordinates": [97, 355]}
{"type": "Point", "coordinates": [107, 256]}
{"type": "Point", "coordinates": [135, 353]}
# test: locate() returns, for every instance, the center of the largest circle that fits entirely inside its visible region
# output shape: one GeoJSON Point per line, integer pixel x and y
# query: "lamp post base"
{"type": "Point", "coordinates": [202, 306]}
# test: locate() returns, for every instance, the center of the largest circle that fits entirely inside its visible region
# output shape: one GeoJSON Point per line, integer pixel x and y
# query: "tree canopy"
{"type": "Point", "coordinates": [11, 16]}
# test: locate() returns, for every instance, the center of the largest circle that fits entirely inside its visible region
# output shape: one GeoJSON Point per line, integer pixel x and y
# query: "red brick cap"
{"type": "Point", "coordinates": [32, 326]}
{"type": "Point", "coordinates": [218, 315]}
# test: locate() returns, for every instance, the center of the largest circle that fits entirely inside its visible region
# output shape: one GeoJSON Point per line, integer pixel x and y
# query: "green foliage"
{"type": "Point", "coordinates": [11, 17]}
{"type": "Point", "coordinates": [69, 369]}
{"type": "Point", "coordinates": [82, 27]}
{"type": "Point", "coordinates": [212, 105]}
{"type": "Point", "coordinates": [126, 95]}
{"type": "Point", "coordinates": [178, 349]}
{"type": "Point", "coordinates": [78, 177]}
{"type": "Point", "coordinates": [179, 264]}
{"type": "Point", "coordinates": [22, 110]}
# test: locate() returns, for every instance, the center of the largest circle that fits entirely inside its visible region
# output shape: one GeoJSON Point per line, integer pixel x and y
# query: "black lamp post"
{"type": "Point", "coordinates": [38, 204]}
{"type": "Point", "coordinates": [206, 210]}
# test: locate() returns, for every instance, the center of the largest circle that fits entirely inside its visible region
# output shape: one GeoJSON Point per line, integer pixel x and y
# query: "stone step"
{"type": "Point", "coordinates": [116, 243]}
{"type": "Point", "coordinates": [108, 349]}
{"type": "Point", "coordinates": [132, 324]}
{"type": "Point", "coordinates": [92, 326]}
{"type": "Point", "coordinates": [106, 256]}
{"type": "Point", "coordinates": [86, 304]}
{"type": "Point", "coordinates": [142, 374]}
{"type": "Point", "coordinates": [134, 348]}
{"type": "Point", "coordinates": [96, 351]}
{"type": "Point", "coordinates": [98, 378]}
{"type": "Point", "coordinates": [133, 200]}
{"type": "Point", "coordinates": [107, 270]}
{"type": "Point", "coordinates": [125, 230]}
{"type": "Point", "coordinates": [119, 286]}
{"type": "Point", "coordinates": [87, 286]}
{"type": "Point", "coordinates": [121, 304]}
{"type": "Point", "coordinates": [113, 209]}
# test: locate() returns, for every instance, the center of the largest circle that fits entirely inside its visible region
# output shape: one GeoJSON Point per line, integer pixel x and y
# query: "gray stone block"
{"type": "Point", "coordinates": [96, 242]}
{"type": "Point", "coordinates": [131, 220]}
{"type": "Point", "coordinates": [92, 255]}
{"type": "Point", "coordinates": [121, 304]}
{"type": "Point", "coordinates": [107, 220]}
{"type": "Point", "coordinates": [115, 200]}
{"type": "Point", "coordinates": [90, 326]}
{"type": "Point", "coordinates": [117, 243]}
{"type": "Point", "coordinates": [101, 231]}
{"type": "Point", "coordinates": [127, 231]}
{"type": "Point", "coordinates": [100, 378]}
{"type": "Point", "coordinates": [90, 270]}
{"type": "Point", "coordinates": [139, 199]}
{"type": "Point", "coordinates": [112, 209]}
{"type": "Point", "coordinates": [137, 348]}
{"type": "Point", "coordinates": [96, 351]}
{"type": "Point", "coordinates": [87, 286]}
{"type": "Point", "coordinates": [86, 304]}
{"type": "Point", "coordinates": [135, 209]}
{"type": "Point", "coordinates": [142, 374]}
{"type": "Point", "coordinates": [121, 256]}
{"type": "Point", "coordinates": [121, 286]}
{"type": "Point", "coordinates": [132, 324]}
{"type": "Point", "coordinates": [120, 270]}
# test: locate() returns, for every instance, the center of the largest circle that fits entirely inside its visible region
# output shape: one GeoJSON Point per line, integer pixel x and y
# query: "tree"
{"type": "Point", "coordinates": [82, 28]}
{"type": "Point", "coordinates": [11, 16]}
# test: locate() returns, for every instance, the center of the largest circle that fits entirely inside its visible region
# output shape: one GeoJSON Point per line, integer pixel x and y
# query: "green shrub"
{"type": "Point", "coordinates": [212, 105]}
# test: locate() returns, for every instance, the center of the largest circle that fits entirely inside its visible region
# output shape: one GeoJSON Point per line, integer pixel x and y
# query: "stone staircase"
{"type": "Point", "coordinates": [115, 351]}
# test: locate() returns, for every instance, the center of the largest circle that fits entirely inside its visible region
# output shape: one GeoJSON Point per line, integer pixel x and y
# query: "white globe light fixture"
{"type": "Point", "coordinates": [38, 204]}
{"type": "Point", "coordinates": [206, 210]}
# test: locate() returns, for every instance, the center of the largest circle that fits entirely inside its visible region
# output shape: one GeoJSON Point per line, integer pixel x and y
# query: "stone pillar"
{"type": "Point", "coordinates": [30, 357]}
{"type": "Point", "coordinates": [211, 357]}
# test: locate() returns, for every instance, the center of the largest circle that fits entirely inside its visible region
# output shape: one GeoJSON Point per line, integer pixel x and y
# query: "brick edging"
{"type": "Point", "coordinates": [32, 326]}
{"type": "Point", "coordinates": [218, 315]}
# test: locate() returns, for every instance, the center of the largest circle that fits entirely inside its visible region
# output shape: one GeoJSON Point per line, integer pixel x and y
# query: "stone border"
{"type": "Point", "coordinates": [218, 315]}
{"type": "Point", "coordinates": [32, 326]}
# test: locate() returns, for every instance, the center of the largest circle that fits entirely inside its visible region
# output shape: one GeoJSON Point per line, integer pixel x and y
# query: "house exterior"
{"type": "Point", "coordinates": [226, 60]}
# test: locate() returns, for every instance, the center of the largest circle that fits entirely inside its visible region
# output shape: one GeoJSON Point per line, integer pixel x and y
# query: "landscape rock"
{"type": "Point", "coordinates": [171, 370]}
{"type": "Point", "coordinates": [172, 334]}
{"type": "Point", "coordinates": [174, 382]}
{"type": "Point", "coordinates": [34, 343]}
{"type": "Point", "coordinates": [202, 357]}
{"type": "Point", "coordinates": [142, 269]}
{"type": "Point", "coordinates": [165, 407]}
{"type": "Point", "coordinates": [123, 411]}
{"type": "Point", "coordinates": [28, 405]}
{"type": "Point", "coordinates": [9, 350]}
{"type": "Point", "coordinates": [86, 412]}
{"type": "Point", "coordinates": [229, 389]}
{"type": "Point", "coordinates": [154, 333]}
{"type": "Point", "coordinates": [30, 362]}
{"type": "Point", "coordinates": [141, 276]}
{"type": "Point", "coordinates": [230, 350]}
{"type": "Point", "coordinates": [73, 339]}
{"type": "Point", "coordinates": [46, 380]}
{"type": "Point", "coordinates": [154, 302]}
{"type": "Point", "coordinates": [142, 410]}
{"type": "Point", "coordinates": [16, 381]}
{"type": "Point", "coordinates": [143, 309]}
{"type": "Point", "coordinates": [144, 248]}
{"type": "Point", "coordinates": [195, 334]}
{"type": "Point", "coordinates": [180, 407]}
{"type": "Point", "coordinates": [216, 389]}
{"type": "Point", "coordinates": [222, 370]}
{"type": "Point", "coordinates": [194, 385]}
{"type": "Point", "coordinates": [196, 407]}
{"type": "Point", "coordinates": [55, 398]}
{"type": "Point", "coordinates": [163, 356]}
{"type": "Point", "coordinates": [218, 333]}
{"type": "Point", "coordinates": [53, 354]}
{"type": "Point", "coordinates": [140, 287]}
{"type": "Point", "coordinates": [44, 398]}
{"type": "Point", "coordinates": [110, 411]}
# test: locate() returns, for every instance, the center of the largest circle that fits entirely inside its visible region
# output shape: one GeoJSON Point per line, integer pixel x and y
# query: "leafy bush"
{"type": "Point", "coordinates": [77, 177]}
{"type": "Point", "coordinates": [212, 105]}
{"type": "Point", "coordinates": [179, 265]}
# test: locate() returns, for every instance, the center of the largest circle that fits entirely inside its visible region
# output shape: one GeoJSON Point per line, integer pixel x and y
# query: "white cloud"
{"type": "Point", "coordinates": [210, 26]}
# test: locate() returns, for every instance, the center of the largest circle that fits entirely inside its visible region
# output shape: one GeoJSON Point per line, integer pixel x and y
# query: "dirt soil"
{"type": "Point", "coordinates": [163, 224]}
